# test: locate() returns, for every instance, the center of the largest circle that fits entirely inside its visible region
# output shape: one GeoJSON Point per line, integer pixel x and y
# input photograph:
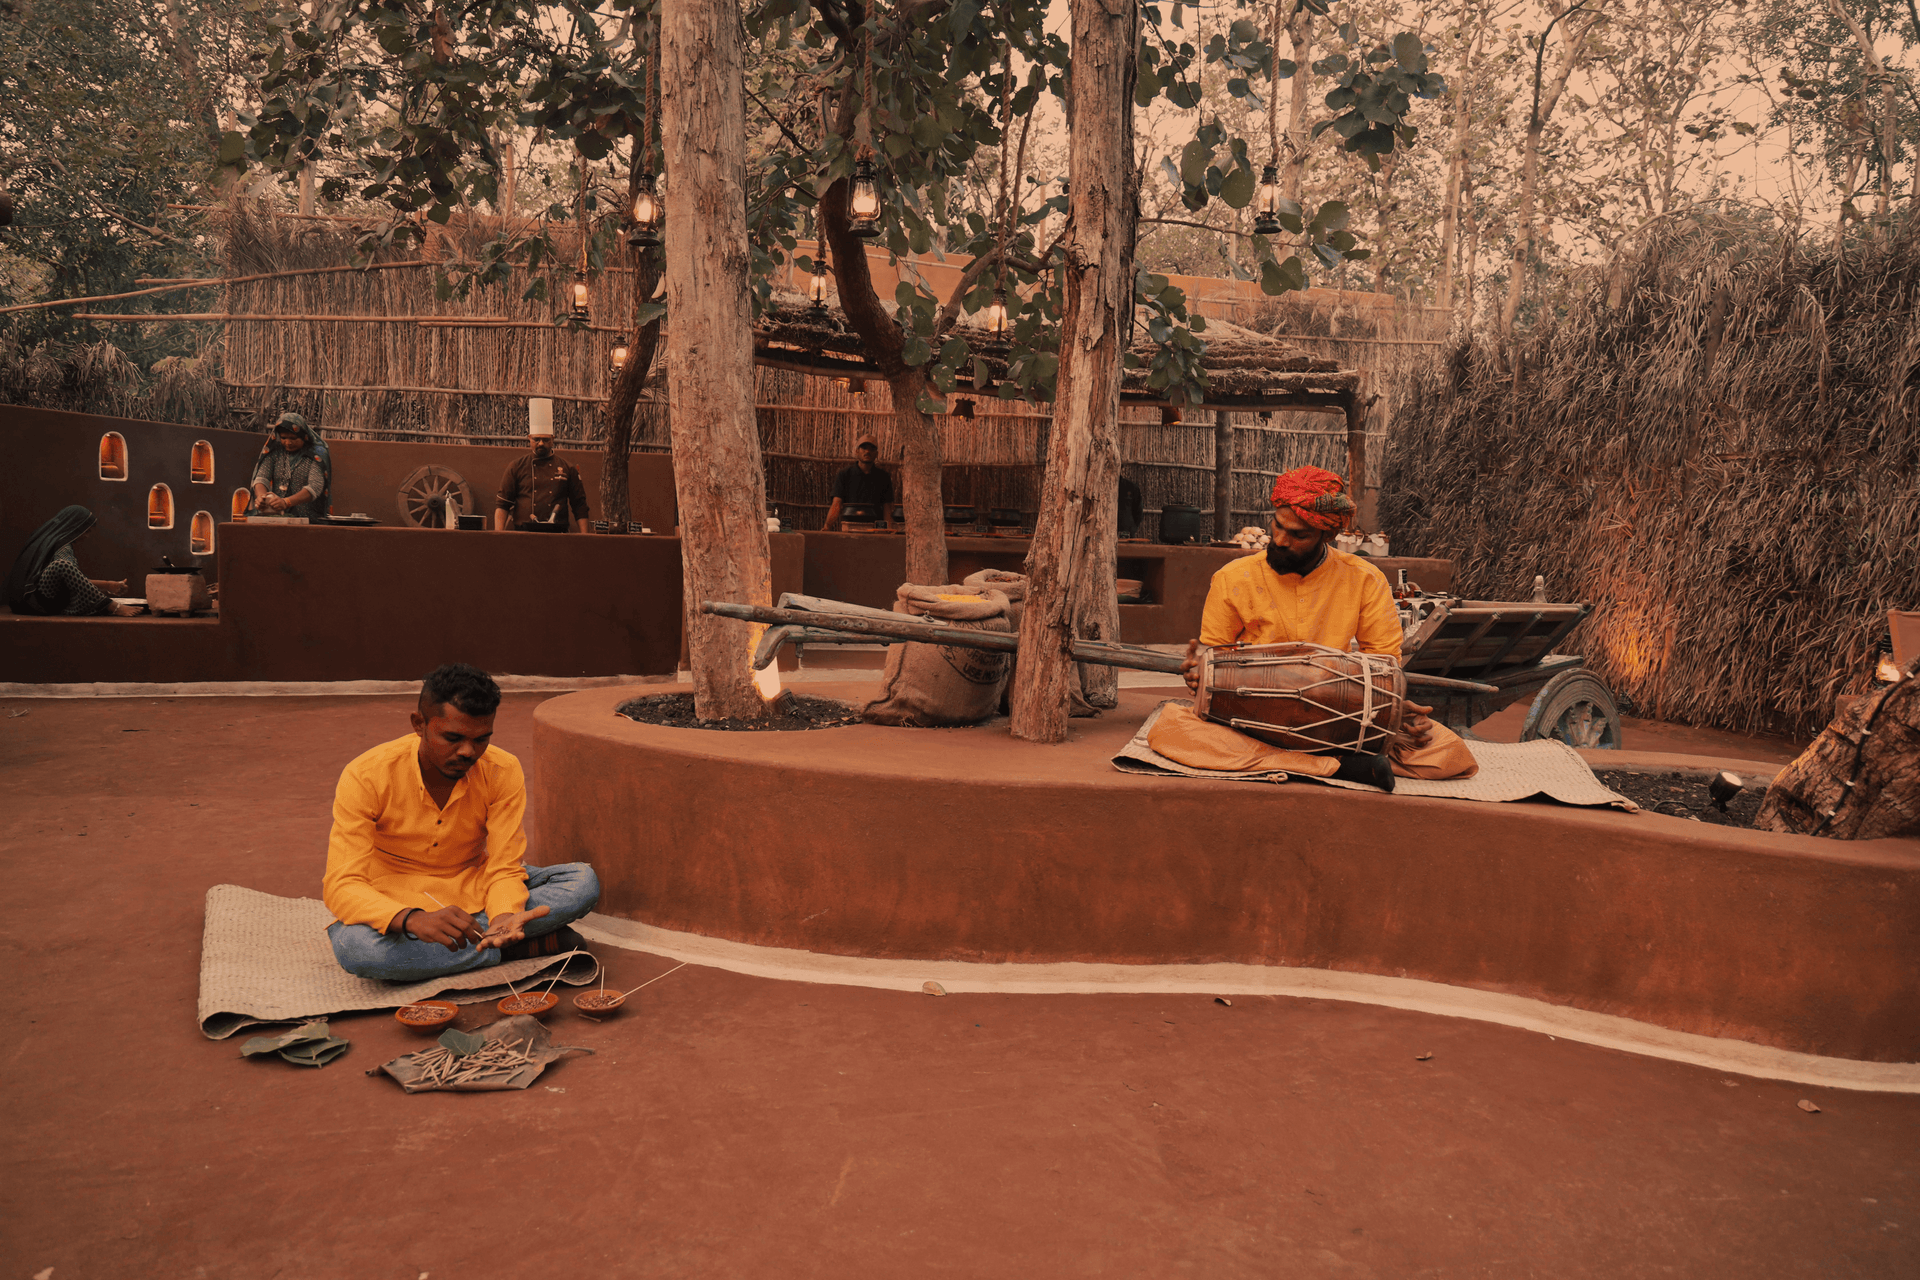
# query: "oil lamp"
{"type": "Point", "coordinates": [645, 228]}
{"type": "Point", "coordinates": [1266, 215]}
{"type": "Point", "coordinates": [863, 208]}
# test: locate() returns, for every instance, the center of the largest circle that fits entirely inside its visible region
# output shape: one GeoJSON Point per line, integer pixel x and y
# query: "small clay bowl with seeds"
{"type": "Point", "coordinates": [426, 1015]}
{"type": "Point", "coordinates": [598, 1004]}
{"type": "Point", "coordinates": [535, 1004]}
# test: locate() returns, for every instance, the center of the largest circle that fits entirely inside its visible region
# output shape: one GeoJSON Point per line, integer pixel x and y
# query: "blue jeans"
{"type": "Point", "coordinates": [567, 890]}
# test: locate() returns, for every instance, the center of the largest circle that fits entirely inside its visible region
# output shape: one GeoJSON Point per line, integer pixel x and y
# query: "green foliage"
{"type": "Point", "coordinates": [920, 88]}
{"type": "Point", "coordinates": [100, 134]}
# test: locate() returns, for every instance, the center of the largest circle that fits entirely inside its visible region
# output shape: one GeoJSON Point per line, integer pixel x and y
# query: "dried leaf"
{"type": "Point", "coordinates": [1804, 1105]}
{"type": "Point", "coordinates": [1223, 1000]}
{"type": "Point", "coordinates": [933, 988]}
{"type": "Point", "coordinates": [1423, 1057]}
{"type": "Point", "coordinates": [462, 1043]}
{"type": "Point", "coordinates": [273, 1044]}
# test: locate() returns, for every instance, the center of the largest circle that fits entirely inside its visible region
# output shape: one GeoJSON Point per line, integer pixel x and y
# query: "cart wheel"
{"type": "Point", "coordinates": [427, 483]}
{"type": "Point", "coordinates": [1576, 708]}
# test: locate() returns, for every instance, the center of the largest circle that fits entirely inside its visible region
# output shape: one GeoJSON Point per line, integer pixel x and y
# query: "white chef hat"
{"type": "Point", "coordinates": [539, 417]}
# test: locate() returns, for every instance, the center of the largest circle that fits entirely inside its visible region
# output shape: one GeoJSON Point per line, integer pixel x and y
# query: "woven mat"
{"type": "Point", "coordinates": [267, 959]}
{"type": "Point", "coordinates": [1508, 771]}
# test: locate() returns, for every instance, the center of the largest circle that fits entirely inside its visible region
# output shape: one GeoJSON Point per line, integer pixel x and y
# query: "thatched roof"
{"type": "Point", "coordinates": [1245, 370]}
{"type": "Point", "coordinates": [1718, 450]}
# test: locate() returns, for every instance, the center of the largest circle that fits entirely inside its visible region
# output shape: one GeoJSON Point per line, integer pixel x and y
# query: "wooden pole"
{"type": "Point", "coordinates": [717, 473]}
{"type": "Point", "coordinates": [1070, 566]}
{"type": "Point", "coordinates": [1357, 460]}
{"type": "Point", "coordinates": [1222, 475]}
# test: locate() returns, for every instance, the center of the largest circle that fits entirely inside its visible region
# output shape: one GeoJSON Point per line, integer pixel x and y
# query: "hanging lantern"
{"type": "Point", "coordinates": [619, 354]}
{"type": "Point", "coordinates": [817, 287]}
{"type": "Point", "coordinates": [1169, 415]}
{"type": "Point", "coordinates": [997, 322]}
{"type": "Point", "coordinates": [1266, 214]}
{"type": "Point", "coordinates": [645, 228]}
{"type": "Point", "coordinates": [580, 311]}
{"type": "Point", "coordinates": [864, 207]}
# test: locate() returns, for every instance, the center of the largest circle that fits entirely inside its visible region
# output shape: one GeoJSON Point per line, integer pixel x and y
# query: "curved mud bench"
{"type": "Point", "coordinates": [966, 845]}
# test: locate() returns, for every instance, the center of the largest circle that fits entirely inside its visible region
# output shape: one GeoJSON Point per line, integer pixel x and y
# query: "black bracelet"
{"type": "Point", "coordinates": [407, 917]}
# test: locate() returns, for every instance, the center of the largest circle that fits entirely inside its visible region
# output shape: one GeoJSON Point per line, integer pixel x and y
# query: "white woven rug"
{"type": "Point", "coordinates": [267, 959]}
{"type": "Point", "coordinates": [1508, 771]}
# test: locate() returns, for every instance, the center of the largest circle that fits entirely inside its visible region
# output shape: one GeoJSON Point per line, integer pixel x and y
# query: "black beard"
{"type": "Point", "coordinates": [1284, 562]}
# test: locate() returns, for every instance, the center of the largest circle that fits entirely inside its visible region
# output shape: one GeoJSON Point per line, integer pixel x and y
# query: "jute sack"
{"type": "Point", "coordinates": [1014, 587]}
{"type": "Point", "coordinates": [929, 685]}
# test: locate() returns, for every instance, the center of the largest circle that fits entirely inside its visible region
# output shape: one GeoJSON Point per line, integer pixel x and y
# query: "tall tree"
{"type": "Point", "coordinates": [1546, 96]}
{"type": "Point", "coordinates": [716, 445]}
{"type": "Point", "coordinates": [1070, 565]}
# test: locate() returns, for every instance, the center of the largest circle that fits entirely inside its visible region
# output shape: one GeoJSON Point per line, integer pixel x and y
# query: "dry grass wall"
{"type": "Point", "coordinates": [1719, 452]}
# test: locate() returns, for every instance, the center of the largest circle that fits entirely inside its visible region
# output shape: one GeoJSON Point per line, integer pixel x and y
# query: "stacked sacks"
{"type": "Point", "coordinates": [931, 685]}
{"type": "Point", "coordinates": [1014, 585]}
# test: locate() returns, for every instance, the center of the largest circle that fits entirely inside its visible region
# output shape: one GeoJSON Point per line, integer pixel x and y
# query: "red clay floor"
{"type": "Point", "coordinates": [737, 1127]}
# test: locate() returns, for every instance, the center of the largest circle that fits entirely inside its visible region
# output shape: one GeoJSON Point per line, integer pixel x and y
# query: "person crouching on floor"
{"type": "Point", "coordinates": [424, 874]}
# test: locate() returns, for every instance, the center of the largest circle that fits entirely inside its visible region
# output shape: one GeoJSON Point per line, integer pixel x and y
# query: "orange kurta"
{"type": "Point", "coordinates": [392, 845]}
{"type": "Point", "coordinates": [1343, 600]}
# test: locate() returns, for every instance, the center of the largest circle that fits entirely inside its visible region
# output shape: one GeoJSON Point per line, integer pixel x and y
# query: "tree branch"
{"type": "Point", "coordinates": [1182, 222]}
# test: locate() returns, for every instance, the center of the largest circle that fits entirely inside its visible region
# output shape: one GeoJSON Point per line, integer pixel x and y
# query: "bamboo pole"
{"type": "Point", "coordinates": [210, 280]}
{"type": "Point", "coordinates": [1222, 473]}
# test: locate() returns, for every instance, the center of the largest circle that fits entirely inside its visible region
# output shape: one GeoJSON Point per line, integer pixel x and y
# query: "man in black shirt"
{"type": "Point", "coordinates": [863, 484]}
{"type": "Point", "coordinates": [538, 487]}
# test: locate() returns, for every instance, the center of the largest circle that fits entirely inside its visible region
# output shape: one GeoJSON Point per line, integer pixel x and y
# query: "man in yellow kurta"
{"type": "Point", "coordinates": [1303, 589]}
{"type": "Point", "coordinates": [424, 873]}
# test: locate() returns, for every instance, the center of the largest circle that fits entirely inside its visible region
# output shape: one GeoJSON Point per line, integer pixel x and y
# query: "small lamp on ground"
{"type": "Point", "coordinates": [644, 230]}
{"type": "Point", "coordinates": [1266, 213]}
{"type": "Point", "coordinates": [863, 206]}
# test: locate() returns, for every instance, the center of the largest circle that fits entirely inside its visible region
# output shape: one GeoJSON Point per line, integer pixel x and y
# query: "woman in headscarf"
{"type": "Point", "coordinates": [294, 471]}
{"type": "Point", "coordinates": [46, 578]}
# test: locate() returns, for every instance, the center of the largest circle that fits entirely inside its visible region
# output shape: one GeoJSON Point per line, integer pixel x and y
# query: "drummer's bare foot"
{"type": "Point", "coordinates": [1375, 771]}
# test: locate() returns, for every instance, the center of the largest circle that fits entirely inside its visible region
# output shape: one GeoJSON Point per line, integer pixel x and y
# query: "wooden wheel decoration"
{"type": "Point", "coordinates": [1576, 708]}
{"type": "Point", "coordinates": [419, 490]}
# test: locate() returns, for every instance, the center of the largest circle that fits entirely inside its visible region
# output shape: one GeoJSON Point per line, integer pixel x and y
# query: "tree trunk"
{"type": "Point", "coordinates": [1222, 475]}
{"type": "Point", "coordinates": [1070, 567]}
{"type": "Point", "coordinates": [1573, 49]}
{"type": "Point", "coordinates": [716, 447]}
{"type": "Point", "coordinates": [1300, 35]}
{"type": "Point", "coordinates": [616, 495]}
{"type": "Point", "coordinates": [1857, 780]}
{"type": "Point", "coordinates": [922, 459]}
{"type": "Point", "coordinates": [1456, 176]}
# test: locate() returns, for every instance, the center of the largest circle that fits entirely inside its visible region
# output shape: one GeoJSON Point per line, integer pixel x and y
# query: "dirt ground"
{"type": "Point", "coordinates": [739, 1127]}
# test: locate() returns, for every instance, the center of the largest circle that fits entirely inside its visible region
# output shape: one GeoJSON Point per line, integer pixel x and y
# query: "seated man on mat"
{"type": "Point", "coordinates": [423, 870]}
{"type": "Point", "coordinates": [1303, 589]}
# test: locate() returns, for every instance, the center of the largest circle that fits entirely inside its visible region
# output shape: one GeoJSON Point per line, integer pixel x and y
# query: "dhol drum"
{"type": "Point", "coordinates": [1304, 697]}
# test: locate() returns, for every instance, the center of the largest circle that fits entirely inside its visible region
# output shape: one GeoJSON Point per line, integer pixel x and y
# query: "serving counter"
{"type": "Point", "coordinates": [304, 602]}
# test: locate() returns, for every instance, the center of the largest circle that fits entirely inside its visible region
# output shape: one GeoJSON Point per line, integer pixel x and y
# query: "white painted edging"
{"type": "Point", "coordinates": [1604, 1030]}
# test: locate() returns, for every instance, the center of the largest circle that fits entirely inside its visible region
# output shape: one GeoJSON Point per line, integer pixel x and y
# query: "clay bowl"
{"type": "Point", "coordinates": [529, 1003]}
{"type": "Point", "coordinates": [426, 1015]}
{"type": "Point", "coordinates": [598, 1004]}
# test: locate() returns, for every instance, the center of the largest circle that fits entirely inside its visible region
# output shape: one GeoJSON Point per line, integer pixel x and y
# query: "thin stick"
{"type": "Point", "coordinates": [650, 981]}
{"type": "Point", "coordinates": [504, 978]}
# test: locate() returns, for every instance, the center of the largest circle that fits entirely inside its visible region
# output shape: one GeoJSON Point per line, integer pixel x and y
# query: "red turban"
{"type": "Point", "coordinates": [1316, 496]}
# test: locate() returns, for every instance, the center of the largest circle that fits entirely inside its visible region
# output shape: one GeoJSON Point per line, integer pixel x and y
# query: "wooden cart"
{"type": "Point", "coordinates": [1511, 646]}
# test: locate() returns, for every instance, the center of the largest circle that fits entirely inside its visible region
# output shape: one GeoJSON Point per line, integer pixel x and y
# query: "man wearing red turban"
{"type": "Point", "coordinates": [1304, 589]}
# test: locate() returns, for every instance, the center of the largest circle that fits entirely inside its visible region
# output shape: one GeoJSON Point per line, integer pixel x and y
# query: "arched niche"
{"type": "Point", "coordinates": [160, 507]}
{"type": "Point", "coordinates": [241, 501]}
{"type": "Point", "coordinates": [200, 467]}
{"type": "Point", "coordinates": [200, 534]}
{"type": "Point", "coordinates": [113, 456]}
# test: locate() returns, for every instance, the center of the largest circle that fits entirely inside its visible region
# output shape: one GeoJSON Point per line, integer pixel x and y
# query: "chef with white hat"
{"type": "Point", "coordinates": [539, 487]}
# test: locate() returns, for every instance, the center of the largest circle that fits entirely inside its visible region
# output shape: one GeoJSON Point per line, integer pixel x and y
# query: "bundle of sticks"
{"type": "Point", "coordinates": [498, 1061]}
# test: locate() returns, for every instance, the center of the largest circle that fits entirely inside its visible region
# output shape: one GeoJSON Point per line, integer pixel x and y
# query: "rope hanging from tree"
{"type": "Point", "coordinates": [1273, 86]}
